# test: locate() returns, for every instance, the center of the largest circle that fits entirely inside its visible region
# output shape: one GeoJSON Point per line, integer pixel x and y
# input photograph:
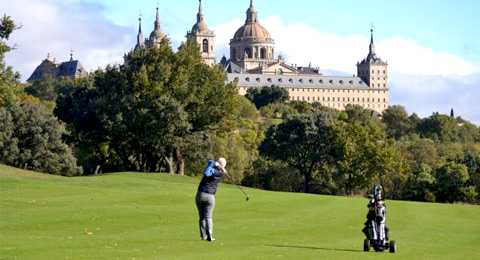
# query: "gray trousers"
{"type": "Point", "coordinates": [205, 204]}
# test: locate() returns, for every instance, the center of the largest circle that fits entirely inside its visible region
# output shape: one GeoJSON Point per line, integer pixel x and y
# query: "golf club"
{"type": "Point", "coordinates": [238, 186]}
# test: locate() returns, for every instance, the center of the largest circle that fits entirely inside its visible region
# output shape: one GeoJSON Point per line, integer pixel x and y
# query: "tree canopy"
{"type": "Point", "coordinates": [10, 87]}
{"type": "Point", "coordinates": [148, 112]}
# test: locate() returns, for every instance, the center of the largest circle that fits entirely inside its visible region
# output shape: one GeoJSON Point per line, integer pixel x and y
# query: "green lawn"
{"type": "Point", "coordinates": [153, 216]}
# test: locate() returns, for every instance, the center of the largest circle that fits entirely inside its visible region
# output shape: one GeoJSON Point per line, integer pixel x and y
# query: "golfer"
{"type": "Point", "coordinates": [205, 198]}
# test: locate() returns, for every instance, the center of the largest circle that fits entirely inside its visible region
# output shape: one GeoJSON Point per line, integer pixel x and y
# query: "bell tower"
{"type": "Point", "coordinates": [372, 69]}
{"type": "Point", "coordinates": [203, 37]}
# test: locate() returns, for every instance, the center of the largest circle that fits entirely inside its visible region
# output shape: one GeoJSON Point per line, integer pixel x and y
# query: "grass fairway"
{"type": "Point", "coordinates": [153, 216]}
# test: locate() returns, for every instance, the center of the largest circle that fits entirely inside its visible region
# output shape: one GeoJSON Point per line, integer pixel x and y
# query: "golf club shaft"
{"type": "Point", "coordinates": [238, 186]}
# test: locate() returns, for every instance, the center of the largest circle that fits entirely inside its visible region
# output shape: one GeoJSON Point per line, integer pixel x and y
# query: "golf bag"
{"type": "Point", "coordinates": [376, 230]}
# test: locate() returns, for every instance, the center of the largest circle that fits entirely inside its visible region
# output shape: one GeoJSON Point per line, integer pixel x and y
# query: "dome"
{"type": "Point", "coordinates": [157, 33]}
{"type": "Point", "coordinates": [200, 26]}
{"type": "Point", "coordinates": [252, 30]}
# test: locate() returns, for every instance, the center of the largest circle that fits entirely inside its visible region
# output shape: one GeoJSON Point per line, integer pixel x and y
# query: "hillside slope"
{"type": "Point", "coordinates": [153, 216]}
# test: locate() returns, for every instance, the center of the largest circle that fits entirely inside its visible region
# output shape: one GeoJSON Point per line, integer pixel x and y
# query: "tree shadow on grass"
{"type": "Point", "coordinates": [317, 248]}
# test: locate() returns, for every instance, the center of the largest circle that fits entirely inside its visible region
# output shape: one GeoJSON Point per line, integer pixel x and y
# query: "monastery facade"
{"type": "Point", "coordinates": [253, 64]}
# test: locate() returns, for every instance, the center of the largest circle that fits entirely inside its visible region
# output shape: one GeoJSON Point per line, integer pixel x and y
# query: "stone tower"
{"type": "Point", "coordinates": [140, 44]}
{"type": "Point", "coordinates": [157, 34]}
{"type": "Point", "coordinates": [373, 70]}
{"type": "Point", "coordinates": [252, 44]}
{"type": "Point", "coordinates": [204, 37]}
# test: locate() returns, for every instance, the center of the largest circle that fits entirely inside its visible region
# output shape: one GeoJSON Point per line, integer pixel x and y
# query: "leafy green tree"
{"type": "Point", "coordinates": [451, 180]}
{"type": "Point", "coordinates": [267, 95]}
{"type": "Point", "coordinates": [158, 108]}
{"type": "Point", "coordinates": [439, 127]}
{"type": "Point", "coordinates": [363, 155]}
{"type": "Point", "coordinates": [301, 107]}
{"type": "Point", "coordinates": [420, 184]}
{"type": "Point", "coordinates": [472, 161]}
{"type": "Point", "coordinates": [468, 132]}
{"type": "Point", "coordinates": [246, 109]}
{"type": "Point", "coordinates": [48, 88]}
{"type": "Point", "coordinates": [10, 87]}
{"type": "Point", "coordinates": [303, 142]}
{"type": "Point", "coordinates": [32, 138]}
{"type": "Point", "coordinates": [397, 122]}
{"type": "Point", "coordinates": [273, 175]}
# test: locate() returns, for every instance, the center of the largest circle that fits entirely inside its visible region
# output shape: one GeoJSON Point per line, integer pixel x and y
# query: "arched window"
{"type": "Point", "coordinates": [280, 72]}
{"type": "Point", "coordinates": [248, 52]}
{"type": "Point", "coordinates": [205, 45]}
{"type": "Point", "coordinates": [263, 53]}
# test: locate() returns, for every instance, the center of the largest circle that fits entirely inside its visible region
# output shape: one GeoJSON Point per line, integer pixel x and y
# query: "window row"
{"type": "Point", "coordinates": [333, 99]}
{"type": "Point", "coordinates": [311, 81]}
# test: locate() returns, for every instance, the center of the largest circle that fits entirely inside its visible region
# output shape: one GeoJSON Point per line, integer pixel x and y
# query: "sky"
{"type": "Point", "coordinates": [432, 46]}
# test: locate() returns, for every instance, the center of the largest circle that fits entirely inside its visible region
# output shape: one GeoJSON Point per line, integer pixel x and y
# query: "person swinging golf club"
{"type": "Point", "coordinates": [205, 198]}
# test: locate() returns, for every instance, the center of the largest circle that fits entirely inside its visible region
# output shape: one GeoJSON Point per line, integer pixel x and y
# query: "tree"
{"type": "Point", "coordinates": [451, 179]}
{"type": "Point", "coordinates": [267, 95]}
{"type": "Point", "coordinates": [10, 87]}
{"type": "Point", "coordinates": [397, 122]}
{"type": "Point", "coordinates": [439, 127]}
{"type": "Point", "coordinates": [472, 161]}
{"type": "Point", "coordinates": [362, 155]}
{"type": "Point", "coordinates": [48, 88]}
{"type": "Point", "coordinates": [356, 114]}
{"type": "Point", "coordinates": [155, 109]}
{"type": "Point", "coordinates": [32, 138]}
{"type": "Point", "coordinates": [468, 132]}
{"type": "Point", "coordinates": [302, 142]}
{"type": "Point", "coordinates": [420, 184]}
{"type": "Point", "coordinates": [273, 175]}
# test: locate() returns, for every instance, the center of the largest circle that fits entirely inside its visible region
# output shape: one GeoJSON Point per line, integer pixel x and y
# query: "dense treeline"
{"type": "Point", "coordinates": [166, 111]}
{"type": "Point", "coordinates": [343, 153]}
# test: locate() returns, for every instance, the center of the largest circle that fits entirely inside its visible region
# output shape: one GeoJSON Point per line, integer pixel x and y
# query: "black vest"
{"type": "Point", "coordinates": [209, 184]}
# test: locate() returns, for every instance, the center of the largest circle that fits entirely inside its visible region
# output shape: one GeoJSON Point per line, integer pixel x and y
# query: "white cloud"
{"type": "Point", "coordinates": [53, 27]}
{"type": "Point", "coordinates": [302, 44]}
{"type": "Point", "coordinates": [406, 56]}
{"type": "Point", "coordinates": [425, 94]}
{"type": "Point", "coordinates": [421, 79]}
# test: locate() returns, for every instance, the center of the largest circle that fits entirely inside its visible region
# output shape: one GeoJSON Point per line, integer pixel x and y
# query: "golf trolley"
{"type": "Point", "coordinates": [376, 230]}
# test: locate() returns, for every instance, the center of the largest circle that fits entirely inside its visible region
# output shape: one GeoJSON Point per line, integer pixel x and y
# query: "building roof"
{"type": "Point", "coordinates": [252, 28]}
{"type": "Point", "coordinates": [372, 56]}
{"type": "Point", "coordinates": [71, 68]}
{"type": "Point", "coordinates": [200, 25]}
{"type": "Point", "coordinates": [298, 81]}
{"type": "Point", "coordinates": [157, 33]}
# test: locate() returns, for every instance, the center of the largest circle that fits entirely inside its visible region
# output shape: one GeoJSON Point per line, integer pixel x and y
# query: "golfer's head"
{"type": "Point", "coordinates": [222, 162]}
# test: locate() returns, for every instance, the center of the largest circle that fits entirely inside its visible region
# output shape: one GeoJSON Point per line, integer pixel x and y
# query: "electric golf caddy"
{"type": "Point", "coordinates": [376, 229]}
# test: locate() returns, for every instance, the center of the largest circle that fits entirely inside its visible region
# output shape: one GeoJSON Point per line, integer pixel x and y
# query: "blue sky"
{"type": "Point", "coordinates": [433, 47]}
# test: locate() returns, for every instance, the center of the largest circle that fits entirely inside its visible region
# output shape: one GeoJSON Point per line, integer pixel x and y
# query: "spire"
{"type": "Point", "coordinates": [157, 34]}
{"type": "Point", "coordinates": [71, 54]}
{"type": "Point", "coordinates": [157, 21]}
{"type": "Point", "coordinates": [372, 56]}
{"type": "Point", "coordinates": [252, 14]}
{"type": "Point", "coordinates": [200, 12]}
{"type": "Point", "coordinates": [372, 46]}
{"type": "Point", "coordinates": [140, 35]}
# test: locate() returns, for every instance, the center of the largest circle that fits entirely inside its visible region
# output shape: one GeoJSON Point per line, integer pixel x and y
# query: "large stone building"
{"type": "Point", "coordinates": [55, 68]}
{"type": "Point", "coordinates": [202, 35]}
{"type": "Point", "coordinates": [253, 64]}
